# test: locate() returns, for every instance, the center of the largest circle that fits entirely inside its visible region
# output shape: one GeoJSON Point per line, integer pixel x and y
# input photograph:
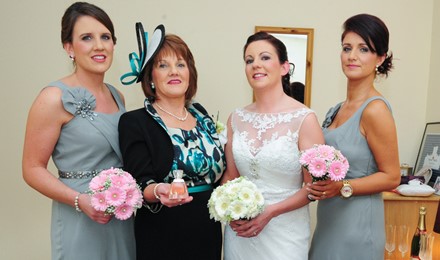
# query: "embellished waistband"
{"type": "Point", "coordinates": [78, 174]}
{"type": "Point", "coordinates": [199, 188]}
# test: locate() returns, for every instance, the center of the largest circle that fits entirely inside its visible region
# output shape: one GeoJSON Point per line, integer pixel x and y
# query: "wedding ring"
{"type": "Point", "coordinates": [323, 193]}
{"type": "Point", "coordinates": [255, 233]}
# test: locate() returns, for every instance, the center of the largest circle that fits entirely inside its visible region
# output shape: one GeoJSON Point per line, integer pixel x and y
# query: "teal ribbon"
{"type": "Point", "coordinates": [136, 67]}
{"type": "Point", "coordinates": [199, 188]}
{"type": "Point", "coordinates": [136, 63]}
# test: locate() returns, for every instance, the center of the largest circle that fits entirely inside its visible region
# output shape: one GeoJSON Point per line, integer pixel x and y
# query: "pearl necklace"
{"type": "Point", "coordinates": [173, 115]}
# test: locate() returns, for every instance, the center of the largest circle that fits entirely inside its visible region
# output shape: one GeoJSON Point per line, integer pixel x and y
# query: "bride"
{"type": "Point", "coordinates": [264, 140]}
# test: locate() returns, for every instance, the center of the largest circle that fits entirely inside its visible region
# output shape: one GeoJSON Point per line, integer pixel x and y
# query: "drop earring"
{"type": "Point", "coordinates": [152, 86]}
{"type": "Point", "coordinates": [72, 57]}
{"type": "Point", "coordinates": [377, 69]}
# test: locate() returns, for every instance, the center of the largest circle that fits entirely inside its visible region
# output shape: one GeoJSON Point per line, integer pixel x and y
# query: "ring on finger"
{"type": "Point", "coordinates": [255, 233]}
{"type": "Point", "coordinates": [323, 193]}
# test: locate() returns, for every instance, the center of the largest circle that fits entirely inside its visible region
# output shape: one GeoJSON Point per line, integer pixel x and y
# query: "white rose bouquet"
{"type": "Point", "coordinates": [234, 200]}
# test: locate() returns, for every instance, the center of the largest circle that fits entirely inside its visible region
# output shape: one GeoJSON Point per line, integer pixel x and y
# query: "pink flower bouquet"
{"type": "Point", "coordinates": [324, 162]}
{"type": "Point", "coordinates": [115, 192]}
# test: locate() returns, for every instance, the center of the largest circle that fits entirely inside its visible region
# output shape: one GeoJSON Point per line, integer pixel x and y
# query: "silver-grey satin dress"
{"type": "Point", "coordinates": [87, 143]}
{"type": "Point", "coordinates": [351, 228]}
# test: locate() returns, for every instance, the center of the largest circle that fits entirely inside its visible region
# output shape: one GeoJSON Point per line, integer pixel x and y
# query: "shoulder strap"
{"type": "Point", "coordinates": [117, 97]}
{"type": "Point", "coordinates": [368, 101]}
{"type": "Point", "coordinates": [59, 84]}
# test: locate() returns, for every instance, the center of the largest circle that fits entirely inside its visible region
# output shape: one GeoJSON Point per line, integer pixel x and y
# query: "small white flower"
{"type": "Point", "coordinates": [237, 209]}
{"type": "Point", "coordinates": [247, 195]}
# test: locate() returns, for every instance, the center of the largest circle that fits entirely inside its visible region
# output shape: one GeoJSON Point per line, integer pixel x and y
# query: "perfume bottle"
{"type": "Point", "coordinates": [178, 188]}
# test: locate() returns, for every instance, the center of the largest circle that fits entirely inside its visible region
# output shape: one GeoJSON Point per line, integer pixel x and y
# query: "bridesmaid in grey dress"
{"type": "Point", "coordinates": [350, 216]}
{"type": "Point", "coordinates": [75, 120]}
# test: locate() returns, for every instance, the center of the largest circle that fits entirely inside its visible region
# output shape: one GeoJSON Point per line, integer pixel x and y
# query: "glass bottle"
{"type": "Point", "coordinates": [420, 236]}
{"type": "Point", "coordinates": [178, 188]}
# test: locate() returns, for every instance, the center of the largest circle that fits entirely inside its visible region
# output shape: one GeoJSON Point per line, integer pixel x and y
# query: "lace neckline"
{"type": "Point", "coordinates": [263, 121]}
{"type": "Point", "coordinates": [244, 110]}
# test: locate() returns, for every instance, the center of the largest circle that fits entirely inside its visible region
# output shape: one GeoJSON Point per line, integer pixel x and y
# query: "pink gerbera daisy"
{"type": "Point", "coordinates": [307, 156]}
{"type": "Point", "coordinates": [123, 211]}
{"type": "Point", "coordinates": [317, 167]}
{"type": "Point", "coordinates": [337, 171]}
{"type": "Point", "coordinates": [133, 197]}
{"type": "Point", "coordinates": [326, 152]}
{"type": "Point", "coordinates": [98, 182]}
{"type": "Point", "coordinates": [115, 196]}
{"type": "Point", "coordinates": [109, 172]}
{"type": "Point", "coordinates": [98, 201]}
{"type": "Point", "coordinates": [118, 180]}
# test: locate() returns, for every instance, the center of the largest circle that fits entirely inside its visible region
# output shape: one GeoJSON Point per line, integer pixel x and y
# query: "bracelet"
{"type": "Point", "coordinates": [154, 191]}
{"type": "Point", "coordinates": [77, 203]}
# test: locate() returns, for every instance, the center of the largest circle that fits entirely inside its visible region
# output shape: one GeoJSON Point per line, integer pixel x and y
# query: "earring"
{"type": "Point", "coordinates": [152, 86]}
{"type": "Point", "coordinates": [72, 57]}
{"type": "Point", "coordinates": [377, 69]}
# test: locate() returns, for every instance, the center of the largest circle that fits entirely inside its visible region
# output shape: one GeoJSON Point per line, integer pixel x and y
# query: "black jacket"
{"type": "Point", "coordinates": [147, 150]}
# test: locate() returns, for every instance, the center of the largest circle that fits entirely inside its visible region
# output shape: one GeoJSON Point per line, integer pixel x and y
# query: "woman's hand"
{"type": "Point", "coordinates": [320, 190]}
{"type": "Point", "coordinates": [163, 192]}
{"type": "Point", "coordinates": [84, 203]}
{"type": "Point", "coordinates": [252, 227]}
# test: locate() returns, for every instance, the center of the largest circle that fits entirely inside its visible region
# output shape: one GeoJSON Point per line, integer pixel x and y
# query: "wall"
{"type": "Point", "coordinates": [432, 111]}
{"type": "Point", "coordinates": [32, 56]}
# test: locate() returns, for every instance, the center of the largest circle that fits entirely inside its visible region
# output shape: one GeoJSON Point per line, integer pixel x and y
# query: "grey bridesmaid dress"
{"type": "Point", "coordinates": [87, 144]}
{"type": "Point", "coordinates": [351, 228]}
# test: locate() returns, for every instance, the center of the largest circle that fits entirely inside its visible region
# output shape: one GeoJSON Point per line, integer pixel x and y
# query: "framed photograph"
{"type": "Point", "coordinates": [429, 152]}
{"type": "Point", "coordinates": [437, 186]}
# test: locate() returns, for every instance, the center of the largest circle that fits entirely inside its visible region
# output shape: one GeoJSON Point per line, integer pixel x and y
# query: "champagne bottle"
{"type": "Point", "coordinates": [420, 235]}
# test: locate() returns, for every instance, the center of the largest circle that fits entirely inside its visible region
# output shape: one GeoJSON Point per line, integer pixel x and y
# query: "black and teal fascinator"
{"type": "Point", "coordinates": [146, 53]}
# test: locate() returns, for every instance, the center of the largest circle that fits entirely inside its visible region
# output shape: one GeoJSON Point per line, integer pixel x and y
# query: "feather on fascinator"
{"type": "Point", "coordinates": [146, 53]}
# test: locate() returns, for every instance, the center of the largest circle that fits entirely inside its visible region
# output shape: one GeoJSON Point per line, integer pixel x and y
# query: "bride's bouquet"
{"type": "Point", "coordinates": [324, 162]}
{"type": "Point", "coordinates": [234, 200]}
{"type": "Point", "coordinates": [115, 192]}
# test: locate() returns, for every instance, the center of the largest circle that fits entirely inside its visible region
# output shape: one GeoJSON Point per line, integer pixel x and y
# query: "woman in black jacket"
{"type": "Point", "coordinates": [171, 132]}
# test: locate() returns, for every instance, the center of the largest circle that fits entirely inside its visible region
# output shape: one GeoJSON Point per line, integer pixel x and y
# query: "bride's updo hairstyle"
{"type": "Point", "coordinates": [375, 33]}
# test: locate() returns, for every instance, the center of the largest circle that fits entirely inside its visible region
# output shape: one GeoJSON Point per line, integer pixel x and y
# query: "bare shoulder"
{"type": "Point", "coordinates": [49, 96]}
{"type": "Point", "coordinates": [376, 110]}
{"type": "Point", "coordinates": [377, 118]}
{"type": "Point", "coordinates": [48, 105]}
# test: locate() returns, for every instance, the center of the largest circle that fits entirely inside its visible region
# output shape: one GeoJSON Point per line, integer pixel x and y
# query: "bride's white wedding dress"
{"type": "Point", "coordinates": [265, 149]}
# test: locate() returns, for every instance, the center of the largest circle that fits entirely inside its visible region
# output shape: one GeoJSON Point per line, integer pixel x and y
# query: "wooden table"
{"type": "Point", "coordinates": [402, 210]}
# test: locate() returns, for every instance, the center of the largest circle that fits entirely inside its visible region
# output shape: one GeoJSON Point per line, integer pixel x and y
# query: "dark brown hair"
{"type": "Point", "coordinates": [78, 9]}
{"type": "Point", "coordinates": [172, 45]}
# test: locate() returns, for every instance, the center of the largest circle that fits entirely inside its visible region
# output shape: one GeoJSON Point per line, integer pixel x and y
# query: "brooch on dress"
{"type": "Point", "coordinates": [84, 109]}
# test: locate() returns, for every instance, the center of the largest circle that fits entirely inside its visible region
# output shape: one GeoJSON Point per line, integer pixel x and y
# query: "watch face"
{"type": "Point", "coordinates": [346, 191]}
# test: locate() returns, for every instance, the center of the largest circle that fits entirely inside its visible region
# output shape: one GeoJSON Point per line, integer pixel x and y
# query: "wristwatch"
{"type": "Point", "coordinates": [346, 190]}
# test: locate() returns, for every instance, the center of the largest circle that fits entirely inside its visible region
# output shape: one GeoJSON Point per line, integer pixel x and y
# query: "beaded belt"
{"type": "Point", "coordinates": [78, 174]}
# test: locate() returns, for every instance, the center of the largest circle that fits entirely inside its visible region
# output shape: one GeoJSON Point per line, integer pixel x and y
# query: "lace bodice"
{"type": "Point", "coordinates": [265, 148]}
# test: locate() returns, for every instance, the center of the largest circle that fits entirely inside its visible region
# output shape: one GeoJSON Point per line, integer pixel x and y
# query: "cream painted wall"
{"type": "Point", "coordinates": [433, 108]}
{"type": "Point", "coordinates": [32, 56]}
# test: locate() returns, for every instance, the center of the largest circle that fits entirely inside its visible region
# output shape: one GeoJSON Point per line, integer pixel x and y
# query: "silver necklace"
{"type": "Point", "coordinates": [173, 115]}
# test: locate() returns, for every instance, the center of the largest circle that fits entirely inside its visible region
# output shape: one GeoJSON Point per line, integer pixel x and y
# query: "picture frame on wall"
{"type": "Point", "coordinates": [437, 186]}
{"type": "Point", "coordinates": [429, 151]}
